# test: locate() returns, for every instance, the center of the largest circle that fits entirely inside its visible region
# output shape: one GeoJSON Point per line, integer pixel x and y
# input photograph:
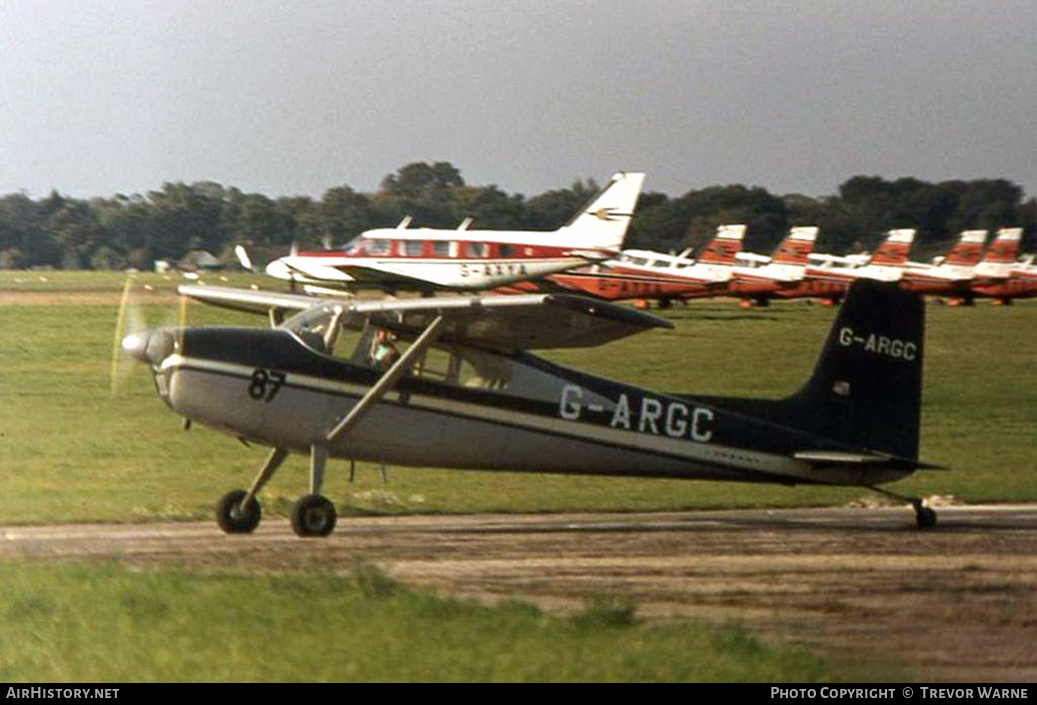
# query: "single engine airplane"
{"type": "Point", "coordinates": [999, 276]}
{"type": "Point", "coordinates": [428, 260]}
{"type": "Point", "coordinates": [886, 264]}
{"type": "Point", "coordinates": [644, 274]}
{"type": "Point", "coordinates": [950, 275]}
{"type": "Point", "coordinates": [466, 394]}
{"type": "Point", "coordinates": [828, 277]}
{"type": "Point", "coordinates": [760, 278]}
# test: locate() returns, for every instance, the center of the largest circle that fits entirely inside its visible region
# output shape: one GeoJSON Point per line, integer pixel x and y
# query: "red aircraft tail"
{"type": "Point", "coordinates": [795, 248]}
{"type": "Point", "coordinates": [968, 250]}
{"type": "Point", "coordinates": [724, 246]}
{"type": "Point", "coordinates": [894, 249]}
{"type": "Point", "coordinates": [1004, 247]}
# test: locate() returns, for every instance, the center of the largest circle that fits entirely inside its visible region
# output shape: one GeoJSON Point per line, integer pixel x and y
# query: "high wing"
{"type": "Point", "coordinates": [534, 321]}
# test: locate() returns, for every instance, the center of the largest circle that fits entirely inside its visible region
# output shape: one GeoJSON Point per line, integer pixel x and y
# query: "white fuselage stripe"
{"type": "Point", "coordinates": [708, 453]}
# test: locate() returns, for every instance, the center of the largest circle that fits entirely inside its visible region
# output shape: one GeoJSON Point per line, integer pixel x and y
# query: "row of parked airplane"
{"type": "Point", "coordinates": [585, 256]}
{"type": "Point", "coordinates": [963, 274]}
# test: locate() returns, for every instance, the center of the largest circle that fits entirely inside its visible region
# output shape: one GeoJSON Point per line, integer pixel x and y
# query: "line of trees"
{"type": "Point", "coordinates": [133, 231]}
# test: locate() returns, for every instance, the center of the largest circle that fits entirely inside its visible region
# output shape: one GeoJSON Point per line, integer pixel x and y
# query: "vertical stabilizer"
{"type": "Point", "coordinates": [999, 259]}
{"type": "Point", "coordinates": [796, 247]}
{"type": "Point", "coordinates": [866, 389]}
{"type": "Point", "coordinates": [893, 251]}
{"type": "Point", "coordinates": [968, 250]}
{"type": "Point", "coordinates": [603, 223]}
{"type": "Point", "coordinates": [1004, 247]}
{"type": "Point", "coordinates": [724, 246]}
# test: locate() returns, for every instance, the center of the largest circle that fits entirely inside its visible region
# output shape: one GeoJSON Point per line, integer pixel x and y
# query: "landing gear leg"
{"type": "Point", "coordinates": [925, 516]}
{"type": "Point", "coordinates": [313, 514]}
{"type": "Point", "coordinates": [238, 512]}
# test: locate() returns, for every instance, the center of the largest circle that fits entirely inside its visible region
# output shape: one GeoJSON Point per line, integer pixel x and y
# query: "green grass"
{"type": "Point", "coordinates": [70, 452]}
{"type": "Point", "coordinates": [103, 623]}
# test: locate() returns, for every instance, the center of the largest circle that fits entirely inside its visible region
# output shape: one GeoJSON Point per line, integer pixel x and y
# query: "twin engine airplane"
{"type": "Point", "coordinates": [465, 393]}
{"type": "Point", "coordinates": [429, 260]}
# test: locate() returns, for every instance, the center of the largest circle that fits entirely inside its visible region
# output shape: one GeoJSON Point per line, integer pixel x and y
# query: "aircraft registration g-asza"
{"type": "Point", "coordinates": [426, 259]}
{"type": "Point", "coordinates": [467, 394]}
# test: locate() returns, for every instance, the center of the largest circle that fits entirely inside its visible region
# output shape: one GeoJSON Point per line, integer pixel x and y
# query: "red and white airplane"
{"type": "Point", "coordinates": [950, 275]}
{"type": "Point", "coordinates": [999, 276]}
{"type": "Point", "coordinates": [426, 260]}
{"type": "Point", "coordinates": [643, 274]}
{"type": "Point", "coordinates": [828, 277]}
{"type": "Point", "coordinates": [781, 275]}
{"type": "Point", "coordinates": [885, 264]}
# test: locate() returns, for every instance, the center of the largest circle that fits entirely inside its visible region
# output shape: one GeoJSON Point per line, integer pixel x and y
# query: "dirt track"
{"type": "Point", "coordinates": [957, 603]}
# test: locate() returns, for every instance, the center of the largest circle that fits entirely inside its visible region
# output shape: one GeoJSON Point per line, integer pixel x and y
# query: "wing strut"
{"type": "Point", "coordinates": [385, 383]}
{"type": "Point", "coordinates": [319, 451]}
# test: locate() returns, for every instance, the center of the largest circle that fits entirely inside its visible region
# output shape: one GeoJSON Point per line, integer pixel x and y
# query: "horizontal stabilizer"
{"type": "Point", "coordinates": [829, 457]}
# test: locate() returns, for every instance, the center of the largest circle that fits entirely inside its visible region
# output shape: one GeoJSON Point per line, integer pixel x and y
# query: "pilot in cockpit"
{"type": "Point", "coordinates": [383, 350]}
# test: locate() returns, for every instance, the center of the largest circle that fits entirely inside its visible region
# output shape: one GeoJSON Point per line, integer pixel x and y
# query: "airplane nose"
{"type": "Point", "coordinates": [150, 346]}
{"type": "Point", "coordinates": [279, 270]}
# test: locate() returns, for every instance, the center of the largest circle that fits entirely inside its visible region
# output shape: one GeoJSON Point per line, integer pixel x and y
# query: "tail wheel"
{"type": "Point", "coordinates": [235, 518]}
{"type": "Point", "coordinates": [313, 515]}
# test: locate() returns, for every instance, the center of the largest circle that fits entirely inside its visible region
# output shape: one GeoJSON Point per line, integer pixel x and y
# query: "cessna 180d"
{"type": "Point", "coordinates": [425, 259]}
{"type": "Point", "coordinates": [331, 383]}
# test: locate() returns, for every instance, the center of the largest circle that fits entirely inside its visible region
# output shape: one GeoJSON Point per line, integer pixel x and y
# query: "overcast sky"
{"type": "Point", "coordinates": [285, 98]}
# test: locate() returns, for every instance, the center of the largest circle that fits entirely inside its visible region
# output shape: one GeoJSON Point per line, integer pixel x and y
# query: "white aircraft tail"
{"type": "Point", "coordinates": [603, 223]}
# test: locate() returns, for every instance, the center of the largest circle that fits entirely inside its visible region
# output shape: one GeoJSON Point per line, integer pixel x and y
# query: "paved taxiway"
{"type": "Point", "coordinates": [958, 602]}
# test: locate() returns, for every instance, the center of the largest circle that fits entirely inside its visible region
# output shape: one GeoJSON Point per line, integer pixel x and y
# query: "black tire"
{"type": "Point", "coordinates": [234, 519]}
{"type": "Point", "coordinates": [926, 518]}
{"type": "Point", "coordinates": [313, 515]}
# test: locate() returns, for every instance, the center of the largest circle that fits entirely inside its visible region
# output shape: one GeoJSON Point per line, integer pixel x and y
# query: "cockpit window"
{"type": "Point", "coordinates": [361, 245]}
{"type": "Point", "coordinates": [353, 246]}
{"type": "Point", "coordinates": [335, 332]}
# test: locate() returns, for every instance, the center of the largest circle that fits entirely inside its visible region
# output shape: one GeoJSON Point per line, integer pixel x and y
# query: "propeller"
{"type": "Point", "coordinates": [131, 326]}
{"type": "Point", "coordinates": [293, 252]}
{"type": "Point", "coordinates": [242, 254]}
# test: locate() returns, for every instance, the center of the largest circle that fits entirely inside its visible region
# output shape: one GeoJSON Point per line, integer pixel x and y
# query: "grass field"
{"type": "Point", "coordinates": [102, 623]}
{"type": "Point", "coordinates": [72, 452]}
{"type": "Point", "coordinates": [69, 451]}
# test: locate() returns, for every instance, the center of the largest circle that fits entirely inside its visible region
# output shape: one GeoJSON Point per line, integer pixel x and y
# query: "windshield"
{"type": "Point", "coordinates": [353, 246]}
{"type": "Point", "coordinates": [361, 245]}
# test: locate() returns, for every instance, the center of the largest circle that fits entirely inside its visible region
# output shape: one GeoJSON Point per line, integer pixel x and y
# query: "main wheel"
{"type": "Point", "coordinates": [234, 518]}
{"type": "Point", "coordinates": [925, 517]}
{"type": "Point", "coordinates": [313, 515]}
